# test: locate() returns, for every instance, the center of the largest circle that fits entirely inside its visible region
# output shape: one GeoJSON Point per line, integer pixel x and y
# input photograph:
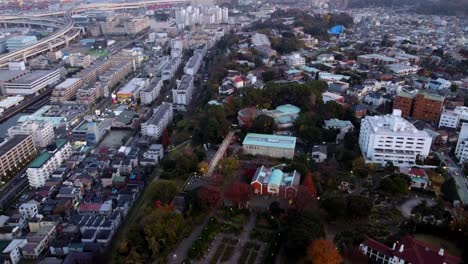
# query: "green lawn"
{"type": "Point", "coordinates": [98, 53]}
{"type": "Point", "coordinates": [438, 242]}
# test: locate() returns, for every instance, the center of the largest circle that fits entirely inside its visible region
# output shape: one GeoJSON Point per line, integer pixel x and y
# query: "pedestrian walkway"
{"type": "Point", "coordinates": [219, 154]}
{"type": "Point", "coordinates": [178, 255]}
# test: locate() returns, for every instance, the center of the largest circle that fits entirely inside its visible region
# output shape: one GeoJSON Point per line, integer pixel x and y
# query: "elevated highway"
{"type": "Point", "coordinates": [66, 29]}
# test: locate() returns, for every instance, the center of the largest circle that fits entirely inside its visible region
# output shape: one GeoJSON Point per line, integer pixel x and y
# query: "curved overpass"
{"type": "Point", "coordinates": [67, 32]}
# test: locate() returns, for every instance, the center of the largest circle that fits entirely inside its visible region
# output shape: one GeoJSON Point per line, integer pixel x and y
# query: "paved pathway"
{"type": "Point", "coordinates": [409, 204]}
{"type": "Point", "coordinates": [219, 154]}
{"type": "Point", "coordinates": [178, 255]}
{"type": "Point", "coordinates": [244, 237]}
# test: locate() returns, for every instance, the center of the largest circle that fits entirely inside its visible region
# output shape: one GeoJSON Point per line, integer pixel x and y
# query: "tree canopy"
{"type": "Point", "coordinates": [323, 251]}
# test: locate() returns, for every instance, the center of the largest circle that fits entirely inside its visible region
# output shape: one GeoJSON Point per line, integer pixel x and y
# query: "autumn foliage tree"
{"type": "Point", "coordinates": [304, 200]}
{"type": "Point", "coordinates": [166, 138]}
{"type": "Point", "coordinates": [309, 184]}
{"type": "Point", "coordinates": [239, 193]}
{"type": "Point", "coordinates": [208, 196]}
{"type": "Point", "coordinates": [323, 251]}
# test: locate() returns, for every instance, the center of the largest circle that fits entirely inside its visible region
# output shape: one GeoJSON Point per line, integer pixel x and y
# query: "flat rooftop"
{"type": "Point", "coordinates": [6, 75]}
{"type": "Point", "coordinates": [7, 145]}
{"type": "Point", "coordinates": [33, 76]}
{"type": "Point", "coordinates": [274, 141]}
{"type": "Point", "coordinates": [46, 155]}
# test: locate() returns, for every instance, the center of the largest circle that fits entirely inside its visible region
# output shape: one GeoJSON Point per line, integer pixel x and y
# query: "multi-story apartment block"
{"type": "Point", "coordinates": [461, 151]}
{"type": "Point", "coordinates": [116, 73]}
{"type": "Point", "coordinates": [79, 60]}
{"type": "Point", "coordinates": [168, 71]}
{"type": "Point", "coordinates": [423, 106]}
{"type": "Point", "coordinates": [66, 90]}
{"type": "Point", "coordinates": [151, 92]}
{"type": "Point", "coordinates": [295, 60]}
{"type": "Point", "coordinates": [90, 74]}
{"type": "Point", "coordinates": [404, 102]}
{"type": "Point", "coordinates": [42, 132]}
{"type": "Point", "coordinates": [451, 118]}
{"type": "Point", "coordinates": [134, 55]}
{"type": "Point", "coordinates": [391, 138]}
{"type": "Point", "coordinates": [427, 107]}
{"type": "Point", "coordinates": [376, 59]}
{"type": "Point", "coordinates": [182, 94]}
{"type": "Point", "coordinates": [15, 154]}
{"type": "Point", "coordinates": [160, 119]}
{"type": "Point", "coordinates": [124, 25]}
{"type": "Point", "coordinates": [193, 64]}
{"type": "Point", "coordinates": [47, 162]}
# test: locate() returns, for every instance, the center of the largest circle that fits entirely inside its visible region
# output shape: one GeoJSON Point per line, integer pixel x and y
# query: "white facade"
{"type": "Point", "coordinates": [13, 250]}
{"type": "Point", "coordinates": [155, 153]}
{"type": "Point", "coordinates": [42, 132]}
{"type": "Point", "coordinates": [452, 118]}
{"type": "Point", "coordinates": [205, 14]}
{"type": "Point", "coordinates": [46, 163]}
{"type": "Point", "coordinates": [461, 151]}
{"type": "Point", "coordinates": [28, 210]}
{"type": "Point", "coordinates": [162, 116]}
{"type": "Point", "coordinates": [182, 95]}
{"type": "Point", "coordinates": [193, 64]}
{"type": "Point", "coordinates": [295, 60]}
{"type": "Point", "coordinates": [391, 138]}
{"type": "Point", "coordinates": [151, 92]}
{"type": "Point", "coordinates": [32, 82]}
{"type": "Point", "coordinates": [260, 40]}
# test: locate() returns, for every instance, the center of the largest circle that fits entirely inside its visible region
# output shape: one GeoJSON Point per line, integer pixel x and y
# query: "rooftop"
{"type": "Point", "coordinates": [46, 155]}
{"type": "Point", "coordinates": [393, 124]}
{"type": "Point", "coordinates": [67, 83]}
{"type": "Point", "coordinates": [8, 144]}
{"type": "Point", "coordinates": [265, 140]}
{"type": "Point", "coordinates": [33, 76]}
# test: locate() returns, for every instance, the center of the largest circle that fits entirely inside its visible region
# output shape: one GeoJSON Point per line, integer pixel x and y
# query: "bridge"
{"type": "Point", "coordinates": [220, 153]}
{"type": "Point", "coordinates": [66, 27]}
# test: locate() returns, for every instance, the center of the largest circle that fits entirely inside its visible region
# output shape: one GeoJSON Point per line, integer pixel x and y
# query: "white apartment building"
{"type": "Point", "coordinates": [451, 118]}
{"type": "Point", "coordinates": [260, 40]}
{"type": "Point", "coordinates": [79, 60]}
{"type": "Point", "coordinates": [295, 60]}
{"type": "Point", "coordinates": [47, 162]}
{"type": "Point", "coordinates": [168, 71]}
{"type": "Point", "coordinates": [151, 92]}
{"type": "Point", "coordinates": [42, 132]}
{"type": "Point", "coordinates": [28, 210]}
{"type": "Point", "coordinates": [391, 138]}
{"type": "Point", "coordinates": [193, 64]}
{"type": "Point", "coordinates": [162, 116]}
{"type": "Point", "coordinates": [12, 251]}
{"type": "Point", "coordinates": [182, 94]}
{"type": "Point", "coordinates": [205, 14]}
{"type": "Point", "coordinates": [461, 151]}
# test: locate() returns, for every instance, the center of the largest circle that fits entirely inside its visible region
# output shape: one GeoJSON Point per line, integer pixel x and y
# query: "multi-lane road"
{"type": "Point", "coordinates": [66, 33]}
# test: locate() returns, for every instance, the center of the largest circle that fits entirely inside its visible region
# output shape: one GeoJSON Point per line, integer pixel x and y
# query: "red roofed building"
{"type": "Point", "coordinates": [408, 251]}
{"type": "Point", "coordinates": [419, 178]}
{"type": "Point", "coordinates": [238, 82]}
{"type": "Point", "coordinates": [269, 181]}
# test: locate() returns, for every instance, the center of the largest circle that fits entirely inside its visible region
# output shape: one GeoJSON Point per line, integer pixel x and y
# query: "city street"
{"type": "Point", "coordinates": [457, 174]}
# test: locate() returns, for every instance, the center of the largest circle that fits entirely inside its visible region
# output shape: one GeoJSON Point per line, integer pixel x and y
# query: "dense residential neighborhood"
{"type": "Point", "coordinates": [219, 131]}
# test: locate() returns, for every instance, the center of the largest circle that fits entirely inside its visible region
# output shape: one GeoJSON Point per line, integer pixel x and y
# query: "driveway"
{"type": "Point", "coordinates": [407, 206]}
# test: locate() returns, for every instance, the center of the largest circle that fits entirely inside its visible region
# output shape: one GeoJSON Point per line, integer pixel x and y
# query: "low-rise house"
{"type": "Point", "coordinates": [319, 153]}
{"type": "Point", "coordinates": [270, 181]}
{"type": "Point", "coordinates": [419, 178]}
{"type": "Point", "coordinates": [269, 145]}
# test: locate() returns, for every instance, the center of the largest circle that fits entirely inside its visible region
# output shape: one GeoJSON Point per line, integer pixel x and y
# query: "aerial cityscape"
{"type": "Point", "coordinates": [234, 131]}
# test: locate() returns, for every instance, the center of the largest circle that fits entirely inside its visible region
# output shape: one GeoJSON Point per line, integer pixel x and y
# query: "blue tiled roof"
{"type": "Point", "coordinates": [276, 177]}
{"type": "Point", "coordinates": [269, 141]}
